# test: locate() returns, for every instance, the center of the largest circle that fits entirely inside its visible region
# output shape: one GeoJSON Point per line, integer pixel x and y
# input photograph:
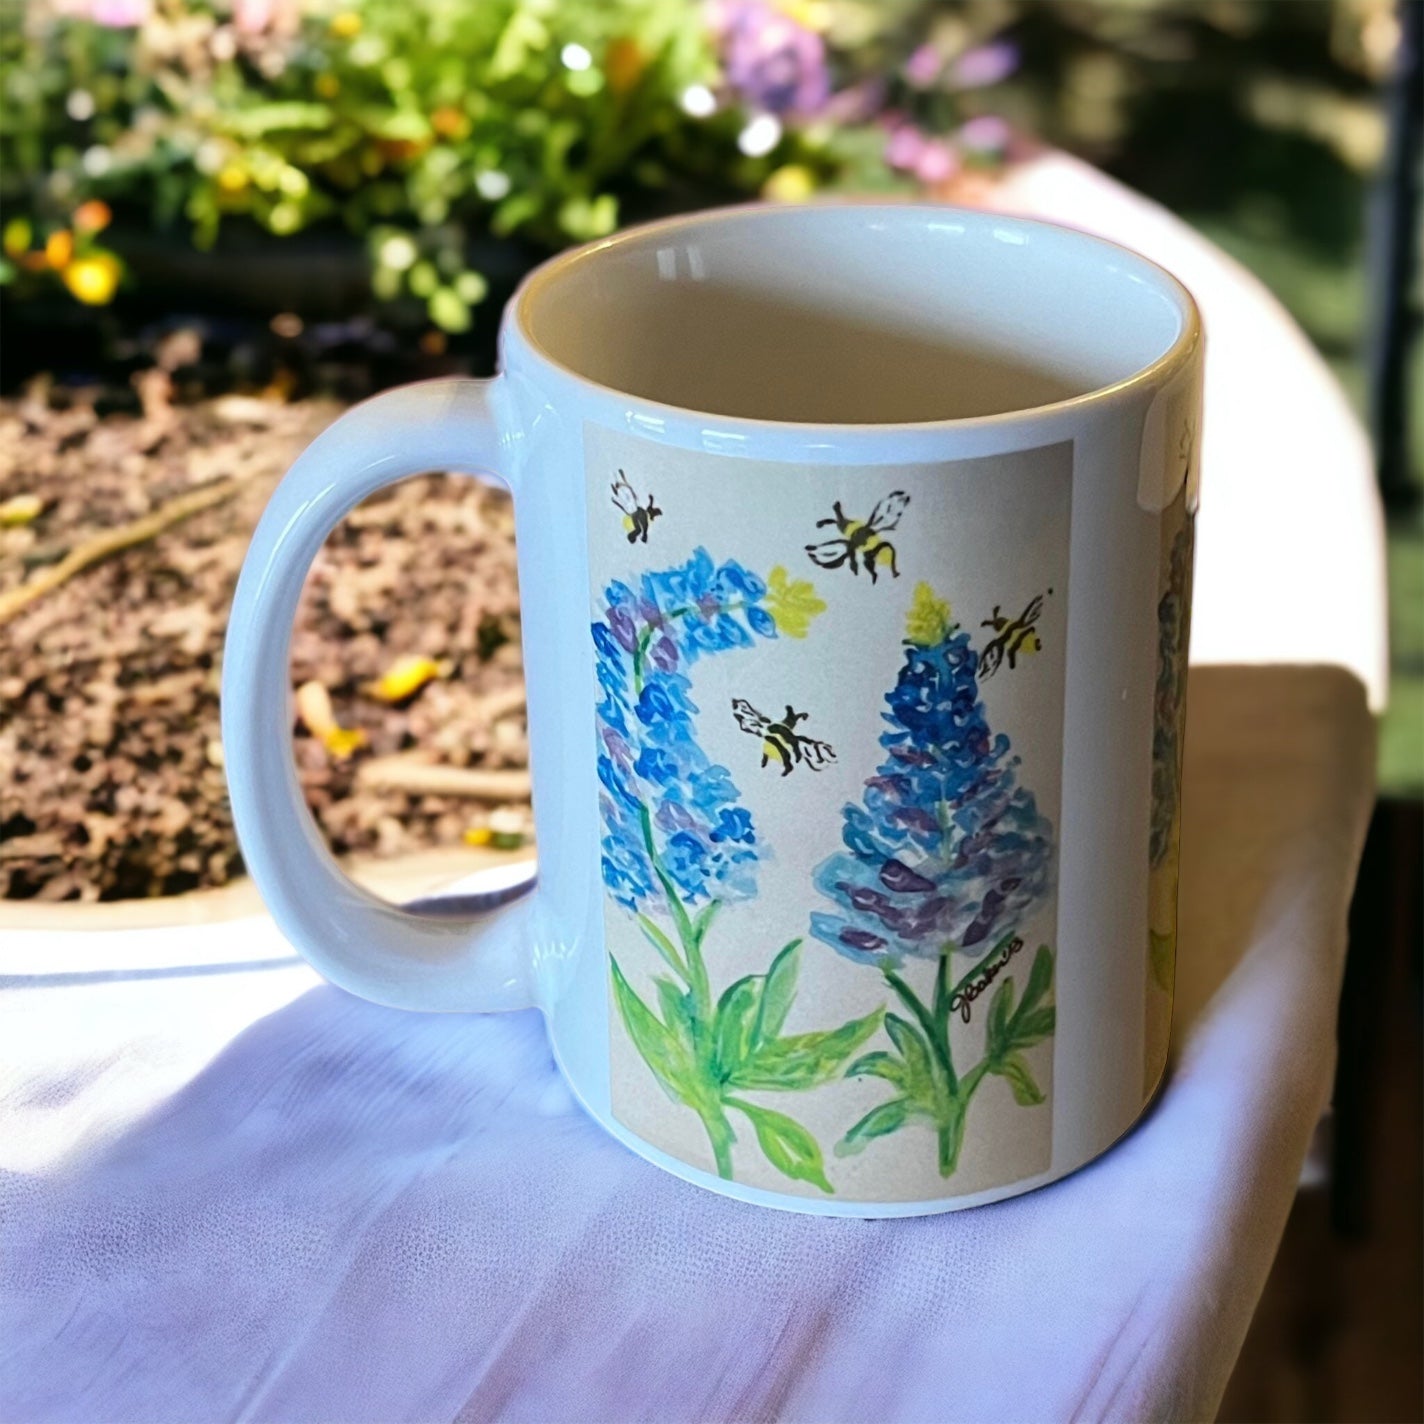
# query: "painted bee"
{"type": "Point", "coordinates": [637, 518]}
{"type": "Point", "coordinates": [862, 542]}
{"type": "Point", "coordinates": [1012, 637]}
{"type": "Point", "coordinates": [781, 739]}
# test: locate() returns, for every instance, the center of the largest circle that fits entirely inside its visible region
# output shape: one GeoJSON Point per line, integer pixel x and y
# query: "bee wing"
{"type": "Point", "coordinates": [830, 555]}
{"type": "Point", "coordinates": [624, 497]}
{"type": "Point", "coordinates": [748, 718]}
{"type": "Point", "coordinates": [886, 514]}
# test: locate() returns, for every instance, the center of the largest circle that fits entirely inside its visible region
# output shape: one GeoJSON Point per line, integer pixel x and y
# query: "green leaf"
{"type": "Point", "coordinates": [449, 310]}
{"type": "Point", "coordinates": [736, 1016]}
{"type": "Point", "coordinates": [1000, 1007]}
{"type": "Point", "coordinates": [879, 1065]}
{"type": "Point", "coordinates": [679, 1013]}
{"type": "Point", "coordinates": [703, 922]}
{"type": "Point", "coordinates": [656, 1044]}
{"type": "Point", "coordinates": [788, 1146]}
{"type": "Point", "coordinates": [792, 603]}
{"type": "Point", "coordinates": [915, 1051]}
{"type": "Point", "coordinates": [1020, 1078]}
{"type": "Point", "coordinates": [780, 990]}
{"type": "Point", "coordinates": [1033, 1029]}
{"type": "Point", "coordinates": [1039, 979]}
{"type": "Point", "coordinates": [675, 906]}
{"type": "Point", "coordinates": [264, 119]}
{"type": "Point", "coordinates": [804, 1060]}
{"type": "Point", "coordinates": [662, 944]}
{"type": "Point", "coordinates": [878, 1122]}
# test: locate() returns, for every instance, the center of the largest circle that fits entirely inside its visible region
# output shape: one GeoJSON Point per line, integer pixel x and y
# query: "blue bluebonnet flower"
{"type": "Point", "coordinates": [947, 850]}
{"type": "Point", "coordinates": [665, 805]}
{"type": "Point", "coordinates": [1172, 615]}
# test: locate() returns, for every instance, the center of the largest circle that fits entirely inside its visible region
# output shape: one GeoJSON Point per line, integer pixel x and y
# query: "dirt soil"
{"type": "Point", "coordinates": [111, 774]}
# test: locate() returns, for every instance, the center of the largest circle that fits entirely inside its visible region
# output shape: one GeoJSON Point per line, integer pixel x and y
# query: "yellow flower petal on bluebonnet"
{"type": "Point", "coordinates": [792, 603]}
{"type": "Point", "coordinates": [406, 676]}
{"type": "Point", "coordinates": [929, 618]}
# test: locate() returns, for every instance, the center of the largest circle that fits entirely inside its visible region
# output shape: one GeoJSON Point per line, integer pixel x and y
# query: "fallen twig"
{"type": "Point", "coordinates": [495, 705]}
{"type": "Point", "coordinates": [115, 541]}
{"type": "Point", "coordinates": [423, 778]}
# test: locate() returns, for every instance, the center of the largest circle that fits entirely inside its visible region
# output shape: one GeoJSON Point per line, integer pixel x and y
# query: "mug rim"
{"type": "Point", "coordinates": [1155, 372]}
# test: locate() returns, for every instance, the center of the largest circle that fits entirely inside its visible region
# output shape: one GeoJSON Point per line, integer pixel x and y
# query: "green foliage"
{"type": "Point", "coordinates": [704, 1057]}
{"type": "Point", "coordinates": [787, 1145]}
{"type": "Point", "coordinates": [921, 1068]}
{"type": "Point", "coordinates": [420, 124]}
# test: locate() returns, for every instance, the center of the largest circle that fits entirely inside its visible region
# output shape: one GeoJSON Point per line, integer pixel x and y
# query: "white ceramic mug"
{"type": "Point", "coordinates": [854, 548]}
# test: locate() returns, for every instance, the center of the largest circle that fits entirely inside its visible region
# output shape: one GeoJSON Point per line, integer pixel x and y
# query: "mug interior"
{"type": "Point", "coordinates": [853, 314]}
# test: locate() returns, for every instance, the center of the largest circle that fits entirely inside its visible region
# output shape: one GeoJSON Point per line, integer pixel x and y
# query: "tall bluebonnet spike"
{"type": "Point", "coordinates": [660, 786]}
{"type": "Point", "coordinates": [947, 849]}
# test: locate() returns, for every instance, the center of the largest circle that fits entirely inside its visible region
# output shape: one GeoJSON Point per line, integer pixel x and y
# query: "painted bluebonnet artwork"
{"type": "Point", "coordinates": [1168, 708]}
{"type": "Point", "coordinates": [678, 845]}
{"type": "Point", "coordinates": [1172, 610]}
{"type": "Point", "coordinates": [945, 857]}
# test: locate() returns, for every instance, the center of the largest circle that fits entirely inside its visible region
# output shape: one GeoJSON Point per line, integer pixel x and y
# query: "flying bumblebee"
{"type": "Point", "coordinates": [1013, 637]}
{"type": "Point", "coordinates": [781, 739]}
{"type": "Point", "coordinates": [637, 518]}
{"type": "Point", "coordinates": [862, 543]}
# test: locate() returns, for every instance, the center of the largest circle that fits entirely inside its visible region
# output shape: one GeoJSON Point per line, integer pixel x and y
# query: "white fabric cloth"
{"type": "Point", "coordinates": [231, 1192]}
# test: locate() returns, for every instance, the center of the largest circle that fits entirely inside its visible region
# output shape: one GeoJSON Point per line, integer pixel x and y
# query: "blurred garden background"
{"type": "Point", "coordinates": [223, 221]}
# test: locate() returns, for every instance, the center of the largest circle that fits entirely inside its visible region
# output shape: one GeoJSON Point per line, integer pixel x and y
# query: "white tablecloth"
{"type": "Point", "coordinates": [232, 1192]}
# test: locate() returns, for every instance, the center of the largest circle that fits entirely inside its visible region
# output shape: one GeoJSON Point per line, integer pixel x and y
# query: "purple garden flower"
{"type": "Point", "coordinates": [985, 65]}
{"type": "Point", "coordinates": [773, 63]}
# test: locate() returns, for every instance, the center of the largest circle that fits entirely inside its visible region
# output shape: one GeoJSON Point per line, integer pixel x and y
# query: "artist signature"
{"type": "Point", "coordinates": [962, 1000]}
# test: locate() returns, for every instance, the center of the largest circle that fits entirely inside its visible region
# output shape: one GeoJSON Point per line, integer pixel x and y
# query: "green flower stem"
{"type": "Point", "coordinates": [942, 995]}
{"type": "Point", "coordinates": [974, 969]}
{"type": "Point", "coordinates": [646, 636]}
{"type": "Point", "coordinates": [721, 1136]}
{"type": "Point", "coordinates": [951, 1126]}
{"type": "Point", "coordinates": [696, 967]}
{"type": "Point", "coordinates": [719, 1130]}
{"type": "Point", "coordinates": [938, 1039]}
{"type": "Point", "coordinates": [639, 653]}
{"type": "Point", "coordinates": [954, 1094]}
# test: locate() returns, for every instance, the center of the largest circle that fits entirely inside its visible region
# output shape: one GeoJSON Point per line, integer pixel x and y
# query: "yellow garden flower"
{"type": "Point", "coordinates": [93, 279]}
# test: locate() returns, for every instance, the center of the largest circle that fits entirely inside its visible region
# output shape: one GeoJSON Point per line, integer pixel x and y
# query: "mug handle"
{"type": "Point", "coordinates": [377, 950]}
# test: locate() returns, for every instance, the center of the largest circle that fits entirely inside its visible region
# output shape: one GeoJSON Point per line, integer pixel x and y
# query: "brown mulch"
{"type": "Point", "coordinates": [111, 778]}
